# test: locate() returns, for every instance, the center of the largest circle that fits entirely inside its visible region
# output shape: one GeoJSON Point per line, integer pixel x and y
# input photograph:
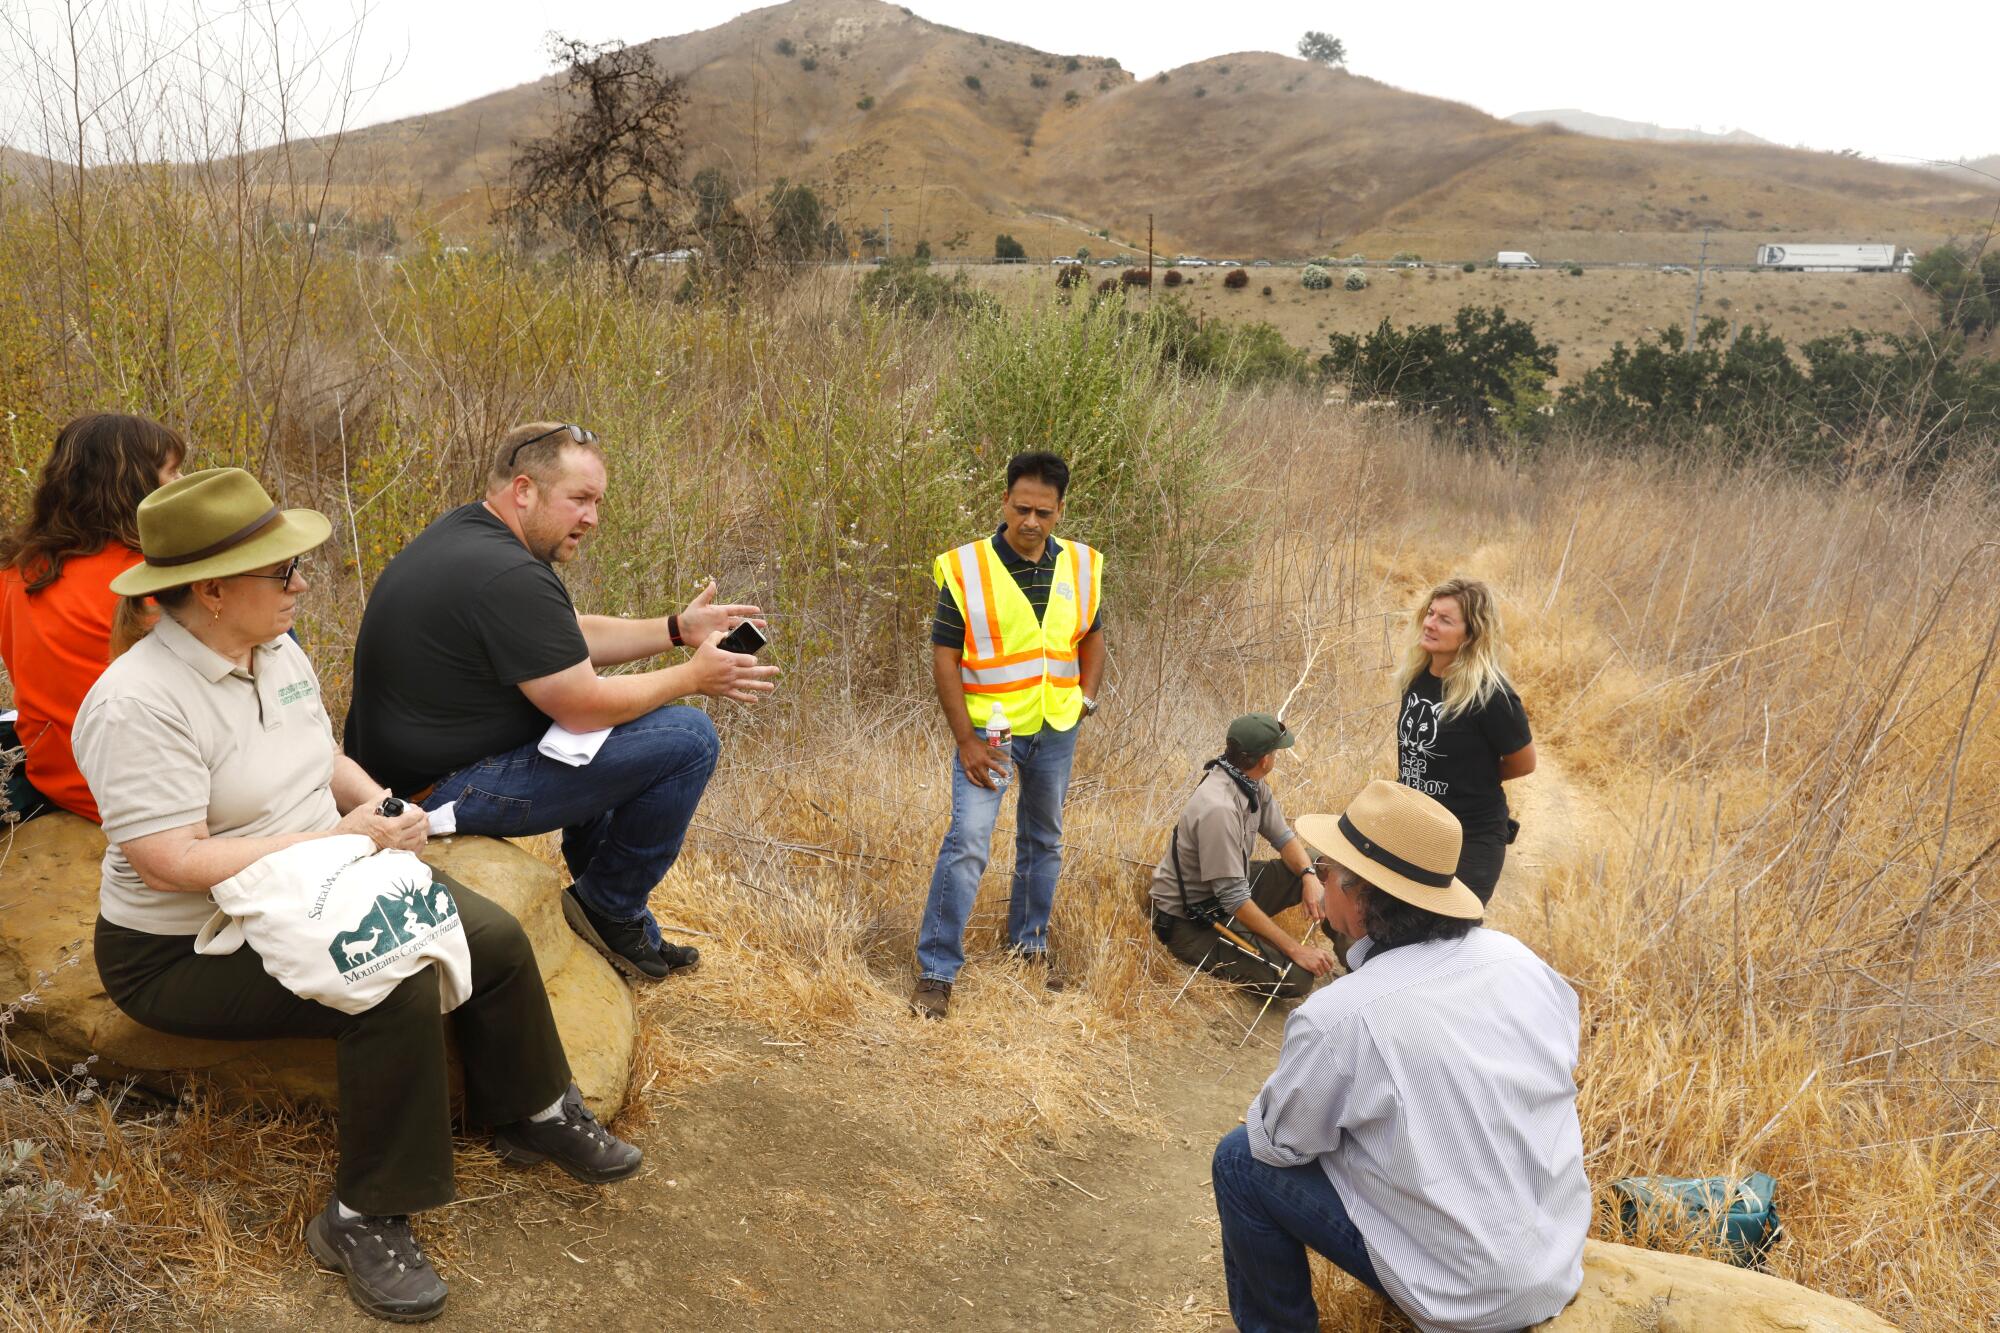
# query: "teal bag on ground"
{"type": "Point", "coordinates": [1741, 1213]}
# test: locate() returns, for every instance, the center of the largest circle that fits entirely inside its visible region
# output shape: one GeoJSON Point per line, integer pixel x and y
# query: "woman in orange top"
{"type": "Point", "coordinates": [56, 605]}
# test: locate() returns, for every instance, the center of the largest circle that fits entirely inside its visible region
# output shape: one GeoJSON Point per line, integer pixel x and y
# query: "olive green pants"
{"type": "Point", "coordinates": [1273, 887]}
{"type": "Point", "coordinates": [394, 1077]}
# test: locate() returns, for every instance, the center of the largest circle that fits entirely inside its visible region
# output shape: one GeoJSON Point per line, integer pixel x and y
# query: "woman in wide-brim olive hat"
{"type": "Point", "coordinates": [208, 747]}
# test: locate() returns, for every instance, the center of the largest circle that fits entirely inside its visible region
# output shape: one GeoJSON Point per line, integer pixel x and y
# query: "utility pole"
{"type": "Point", "coordinates": [1149, 259]}
{"type": "Point", "coordinates": [885, 233]}
{"type": "Point", "coordinates": [1701, 273]}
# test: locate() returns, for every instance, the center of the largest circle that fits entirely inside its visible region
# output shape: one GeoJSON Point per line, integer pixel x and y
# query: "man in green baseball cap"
{"type": "Point", "coordinates": [1211, 906]}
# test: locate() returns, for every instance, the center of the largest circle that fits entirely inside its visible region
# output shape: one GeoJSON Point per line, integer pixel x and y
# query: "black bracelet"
{"type": "Point", "coordinates": [674, 631]}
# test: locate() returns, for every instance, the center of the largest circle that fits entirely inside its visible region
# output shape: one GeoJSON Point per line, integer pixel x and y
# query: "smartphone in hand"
{"type": "Point", "coordinates": [745, 638]}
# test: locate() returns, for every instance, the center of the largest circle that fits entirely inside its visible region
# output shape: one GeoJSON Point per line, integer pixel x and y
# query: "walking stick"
{"type": "Point", "coordinates": [1311, 926]}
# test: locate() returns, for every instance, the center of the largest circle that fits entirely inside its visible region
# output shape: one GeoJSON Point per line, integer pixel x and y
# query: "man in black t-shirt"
{"type": "Point", "coordinates": [470, 648]}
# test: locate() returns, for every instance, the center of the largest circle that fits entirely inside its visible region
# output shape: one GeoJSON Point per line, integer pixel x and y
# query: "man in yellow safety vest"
{"type": "Point", "coordinates": [1016, 634]}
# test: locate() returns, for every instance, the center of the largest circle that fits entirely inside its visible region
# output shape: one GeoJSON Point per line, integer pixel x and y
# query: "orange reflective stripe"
{"type": "Point", "coordinates": [1086, 587]}
{"type": "Point", "coordinates": [982, 628]}
{"type": "Point", "coordinates": [1032, 683]}
{"type": "Point", "coordinates": [1005, 659]}
{"type": "Point", "coordinates": [990, 568]}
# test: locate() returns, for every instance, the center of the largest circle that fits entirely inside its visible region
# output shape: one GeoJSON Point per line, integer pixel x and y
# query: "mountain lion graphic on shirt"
{"type": "Point", "coordinates": [1457, 760]}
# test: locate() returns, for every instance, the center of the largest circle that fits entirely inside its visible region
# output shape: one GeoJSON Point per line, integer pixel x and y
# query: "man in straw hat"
{"type": "Point", "coordinates": [469, 649]}
{"type": "Point", "coordinates": [1420, 1130]}
{"type": "Point", "coordinates": [1212, 907]}
{"type": "Point", "coordinates": [207, 747]}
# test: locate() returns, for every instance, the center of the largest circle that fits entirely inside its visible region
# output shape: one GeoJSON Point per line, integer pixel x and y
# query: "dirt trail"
{"type": "Point", "coordinates": [777, 1197]}
{"type": "Point", "coordinates": [767, 1204]}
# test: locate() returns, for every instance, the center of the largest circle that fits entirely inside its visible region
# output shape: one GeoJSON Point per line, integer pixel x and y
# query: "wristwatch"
{"type": "Point", "coordinates": [1089, 705]}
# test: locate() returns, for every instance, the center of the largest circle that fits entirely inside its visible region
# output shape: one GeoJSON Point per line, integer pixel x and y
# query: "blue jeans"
{"type": "Point", "coordinates": [623, 815]}
{"type": "Point", "coordinates": [1041, 767]}
{"type": "Point", "coordinates": [1270, 1214]}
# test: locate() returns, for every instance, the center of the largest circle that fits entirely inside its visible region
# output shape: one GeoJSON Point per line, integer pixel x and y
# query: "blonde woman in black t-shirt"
{"type": "Point", "coordinates": [1460, 727]}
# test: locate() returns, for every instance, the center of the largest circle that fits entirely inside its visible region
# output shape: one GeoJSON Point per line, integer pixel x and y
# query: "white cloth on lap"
{"type": "Point", "coordinates": [337, 922]}
{"type": "Point", "coordinates": [575, 748]}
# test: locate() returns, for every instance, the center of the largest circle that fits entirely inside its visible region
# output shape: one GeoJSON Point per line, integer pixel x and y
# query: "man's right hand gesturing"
{"type": "Point", "coordinates": [724, 675]}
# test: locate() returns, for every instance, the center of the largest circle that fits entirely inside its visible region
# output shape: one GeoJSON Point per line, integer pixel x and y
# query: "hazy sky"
{"type": "Point", "coordinates": [1827, 74]}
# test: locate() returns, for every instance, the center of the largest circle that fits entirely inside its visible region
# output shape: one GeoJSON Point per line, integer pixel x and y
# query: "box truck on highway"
{"type": "Point", "coordinates": [1515, 259]}
{"type": "Point", "coordinates": [1834, 258]}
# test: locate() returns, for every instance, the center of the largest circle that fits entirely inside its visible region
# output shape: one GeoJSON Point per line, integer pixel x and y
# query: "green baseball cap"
{"type": "Point", "coordinates": [1258, 734]}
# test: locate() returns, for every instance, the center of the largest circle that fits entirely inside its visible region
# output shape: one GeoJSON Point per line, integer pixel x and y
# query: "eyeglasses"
{"type": "Point", "coordinates": [283, 577]}
{"type": "Point", "coordinates": [577, 435]}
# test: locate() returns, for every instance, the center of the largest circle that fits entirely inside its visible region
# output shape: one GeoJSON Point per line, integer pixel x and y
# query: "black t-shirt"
{"type": "Point", "coordinates": [1458, 761]}
{"type": "Point", "coordinates": [456, 622]}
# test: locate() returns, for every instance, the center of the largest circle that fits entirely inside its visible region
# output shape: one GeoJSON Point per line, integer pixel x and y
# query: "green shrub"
{"type": "Point", "coordinates": [1479, 367]}
{"type": "Point", "coordinates": [972, 82]}
{"type": "Point", "coordinates": [1314, 278]}
{"type": "Point", "coordinates": [1356, 281]}
{"type": "Point", "coordinates": [1469, 266]}
{"type": "Point", "coordinates": [1072, 65]}
{"type": "Point", "coordinates": [1038, 80]}
{"type": "Point", "coordinates": [1072, 97]}
{"type": "Point", "coordinates": [783, 46]}
{"type": "Point", "coordinates": [808, 64]}
{"type": "Point", "coordinates": [1149, 478]}
{"type": "Point", "coordinates": [1574, 270]}
{"type": "Point", "coordinates": [1006, 247]}
{"type": "Point", "coordinates": [867, 102]}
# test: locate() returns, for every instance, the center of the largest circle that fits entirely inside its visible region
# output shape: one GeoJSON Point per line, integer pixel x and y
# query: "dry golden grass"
{"type": "Point", "coordinates": [1761, 845]}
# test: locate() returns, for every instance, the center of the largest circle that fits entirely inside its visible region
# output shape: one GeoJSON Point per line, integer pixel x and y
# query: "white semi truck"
{"type": "Point", "coordinates": [1835, 258]}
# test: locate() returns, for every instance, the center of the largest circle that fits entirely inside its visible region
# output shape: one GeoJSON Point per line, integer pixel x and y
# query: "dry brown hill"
{"type": "Point", "coordinates": [960, 136]}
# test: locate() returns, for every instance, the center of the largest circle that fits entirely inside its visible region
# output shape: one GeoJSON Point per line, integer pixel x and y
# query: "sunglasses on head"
{"type": "Point", "coordinates": [284, 576]}
{"type": "Point", "coordinates": [577, 435]}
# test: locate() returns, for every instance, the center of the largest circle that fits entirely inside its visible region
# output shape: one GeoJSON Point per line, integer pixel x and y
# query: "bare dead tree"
{"type": "Point", "coordinates": [608, 173]}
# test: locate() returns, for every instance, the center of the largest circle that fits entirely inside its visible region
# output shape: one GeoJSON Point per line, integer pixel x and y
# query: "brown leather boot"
{"type": "Point", "coordinates": [931, 999]}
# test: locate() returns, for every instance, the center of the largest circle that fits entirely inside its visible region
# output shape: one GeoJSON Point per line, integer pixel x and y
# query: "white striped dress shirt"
{"type": "Point", "coordinates": [1435, 1087]}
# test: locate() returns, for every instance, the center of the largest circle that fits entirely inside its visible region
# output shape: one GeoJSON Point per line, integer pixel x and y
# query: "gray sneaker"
{"type": "Point", "coordinates": [573, 1140]}
{"type": "Point", "coordinates": [387, 1274]}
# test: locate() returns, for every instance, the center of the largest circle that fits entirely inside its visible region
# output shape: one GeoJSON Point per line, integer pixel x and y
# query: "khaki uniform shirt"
{"type": "Point", "coordinates": [1217, 832]}
{"type": "Point", "coordinates": [174, 734]}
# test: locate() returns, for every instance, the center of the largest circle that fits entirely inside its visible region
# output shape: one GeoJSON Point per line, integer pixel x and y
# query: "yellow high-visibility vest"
{"type": "Point", "coordinates": [1011, 658]}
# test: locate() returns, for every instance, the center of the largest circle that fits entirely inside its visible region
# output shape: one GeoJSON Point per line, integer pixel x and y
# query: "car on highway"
{"type": "Point", "coordinates": [1406, 263]}
{"type": "Point", "coordinates": [1229, 263]}
{"type": "Point", "coordinates": [1192, 261]}
{"type": "Point", "coordinates": [1260, 263]}
{"type": "Point", "coordinates": [1676, 268]}
{"type": "Point", "coordinates": [1107, 263]}
{"type": "Point", "coordinates": [1065, 259]}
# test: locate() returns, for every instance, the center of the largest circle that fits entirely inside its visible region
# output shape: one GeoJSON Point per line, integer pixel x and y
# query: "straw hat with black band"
{"type": "Point", "coordinates": [1400, 841]}
{"type": "Point", "coordinates": [214, 524]}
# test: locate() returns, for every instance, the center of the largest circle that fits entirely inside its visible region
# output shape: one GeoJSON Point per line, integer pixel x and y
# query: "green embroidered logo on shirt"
{"type": "Point", "coordinates": [297, 690]}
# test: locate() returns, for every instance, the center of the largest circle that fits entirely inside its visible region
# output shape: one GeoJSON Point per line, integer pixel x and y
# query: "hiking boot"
{"type": "Point", "coordinates": [931, 998]}
{"type": "Point", "coordinates": [572, 1140]}
{"type": "Point", "coordinates": [624, 943]}
{"type": "Point", "coordinates": [1053, 977]}
{"type": "Point", "coordinates": [387, 1274]}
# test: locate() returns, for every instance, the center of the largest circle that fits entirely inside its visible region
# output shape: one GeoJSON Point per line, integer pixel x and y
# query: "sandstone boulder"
{"type": "Point", "coordinates": [48, 909]}
{"type": "Point", "coordinates": [1644, 1291]}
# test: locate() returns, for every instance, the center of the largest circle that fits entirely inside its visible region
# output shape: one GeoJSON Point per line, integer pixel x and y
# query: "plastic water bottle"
{"type": "Point", "coordinates": [1000, 737]}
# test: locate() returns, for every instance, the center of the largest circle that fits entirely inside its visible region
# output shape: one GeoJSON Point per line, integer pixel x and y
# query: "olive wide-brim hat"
{"type": "Point", "coordinates": [1401, 841]}
{"type": "Point", "coordinates": [215, 524]}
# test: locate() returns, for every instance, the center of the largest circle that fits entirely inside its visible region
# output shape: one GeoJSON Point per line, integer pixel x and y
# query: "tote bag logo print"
{"type": "Point", "coordinates": [392, 926]}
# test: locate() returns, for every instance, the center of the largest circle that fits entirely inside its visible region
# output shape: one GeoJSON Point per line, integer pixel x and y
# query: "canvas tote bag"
{"type": "Point", "coordinates": [340, 923]}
